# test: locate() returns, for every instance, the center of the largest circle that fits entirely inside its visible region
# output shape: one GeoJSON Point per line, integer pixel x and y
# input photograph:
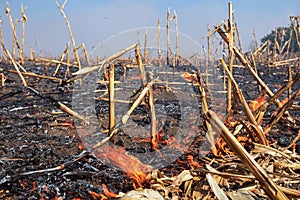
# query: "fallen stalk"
{"type": "Point", "coordinates": [266, 182]}
{"type": "Point", "coordinates": [284, 108]}
{"type": "Point", "coordinates": [84, 71]}
{"type": "Point", "coordinates": [262, 109]}
{"type": "Point", "coordinates": [17, 68]}
{"type": "Point", "coordinates": [9, 178]}
{"type": "Point", "coordinates": [247, 64]}
{"type": "Point", "coordinates": [260, 133]}
{"type": "Point", "coordinates": [125, 118]}
{"type": "Point", "coordinates": [55, 62]}
{"type": "Point", "coordinates": [210, 134]}
{"type": "Point", "coordinates": [59, 104]}
{"type": "Point", "coordinates": [111, 134]}
{"type": "Point", "coordinates": [37, 75]}
{"type": "Point", "coordinates": [136, 103]}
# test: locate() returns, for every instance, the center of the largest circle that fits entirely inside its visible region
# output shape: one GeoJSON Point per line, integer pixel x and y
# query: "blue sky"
{"type": "Point", "coordinates": [93, 21]}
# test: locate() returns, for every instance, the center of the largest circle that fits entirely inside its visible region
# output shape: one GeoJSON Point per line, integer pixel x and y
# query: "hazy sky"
{"type": "Point", "coordinates": [92, 21]}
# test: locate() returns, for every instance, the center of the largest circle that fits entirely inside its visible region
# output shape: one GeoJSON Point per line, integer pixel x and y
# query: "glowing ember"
{"type": "Point", "coordinates": [255, 104]}
{"type": "Point", "coordinates": [131, 165]}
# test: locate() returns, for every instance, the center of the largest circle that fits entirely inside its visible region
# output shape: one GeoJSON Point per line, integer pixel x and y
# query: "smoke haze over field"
{"type": "Point", "coordinates": [93, 21]}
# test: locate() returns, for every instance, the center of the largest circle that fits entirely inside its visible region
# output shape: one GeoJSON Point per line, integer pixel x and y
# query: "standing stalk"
{"type": "Point", "coordinates": [158, 41]}
{"type": "Point", "coordinates": [268, 58]}
{"type": "Point", "coordinates": [274, 46]}
{"type": "Point", "coordinates": [251, 118]}
{"type": "Point", "coordinates": [154, 133]}
{"type": "Point", "coordinates": [111, 97]}
{"type": "Point", "coordinates": [141, 66]}
{"type": "Point", "coordinates": [207, 61]}
{"type": "Point", "coordinates": [61, 60]}
{"type": "Point", "coordinates": [224, 72]}
{"type": "Point", "coordinates": [86, 54]}
{"type": "Point", "coordinates": [210, 134]}
{"type": "Point", "coordinates": [239, 37]}
{"type": "Point", "coordinates": [293, 19]}
{"type": "Point", "coordinates": [13, 27]}
{"type": "Point", "coordinates": [24, 20]}
{"type": "Point", "coordinates": [230, 58]}
{"type": "Point", "coordinates": [3, 79]}
{"type": "Point", "coordinates": [3, 44]}
{"type": "Point", "coordinates": [290, 78]}
{"type": "Point", "coordinates": [145, 47]}
{"type": "Point", "coordinates": [168, 36]}
{"type": "Point", "coordinates": [246, 63]}
{"type": "Point", "coordinates": [61, 7]}
{"type": "Point", "coordinates": [255, 69]}
{"type": "Point", "coordinates": [177, 47]}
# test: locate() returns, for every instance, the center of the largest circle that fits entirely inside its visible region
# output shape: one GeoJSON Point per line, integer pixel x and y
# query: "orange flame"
{"type": "Point", "coordinates": [260, 100]}
{"type": "Point", "coordinates": [108, 193]}
{"type": "Point", "coordinates": [189, 77]}
{"type": "Point", "coordinates": [97, 196]}
{"type": "Point", "coordinates": [131, 165]}
{"type": "Point", "coordinates": [193, 163]}
{"type": "Point", "coordinates": [223, 149]}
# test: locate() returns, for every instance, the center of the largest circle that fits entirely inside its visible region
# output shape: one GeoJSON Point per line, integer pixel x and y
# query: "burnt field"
{"type": "Point", "coordinates": [175, 119]}
{"type": "Point", "coordinates": [43, 157]}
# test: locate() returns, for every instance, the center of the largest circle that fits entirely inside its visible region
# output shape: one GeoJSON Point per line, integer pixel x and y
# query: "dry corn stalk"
{"type": "Point", "coordinates": [230, 56]}
{"type": "Point", "coordinates": [266, 182]}
{"type": "Point", "coordinates": [177, 47]}
{"type": "Point", "coordinates": [3, 79]}
{"type": "Point", "coordinates": [84, 71]}
{"type": "Point", "coordinates": [13, 27]}
{"type": "Point", "coordinates": [242, 99]}
{"type": "Point", "coordinates": [24, 20]}
{"type": "Point", "coordinates": [210, 133]}
{"type": "Point", "coordinates": [111, 97]}
{"type": "Point", "coordinates": [37, 75]}
{"type": "Point", "coordinates": [154, 134]}
{"type": "Point", "coordinates": [168, 36]}
{"type": "Point", "coordinates": [61, 60]}
{"type": "Point", "coordinates": [61, 7]}
{"type": "Point", "coordinates": [281, 112]}
{"type": "Point", "coordinates": [2, 43]}
{"type": "Point", "coordinates": [247, 64]}
{"type": "Point", "coordinates": [17, 68]}
{"type": "Point", "coordinates": [136, 103]}
{"type": "Point", "coordinates": [158, 41]}
{"type": "Point", "coordinates": [140, 64]}
{"type": "Point", "coordinates": [262, 109]}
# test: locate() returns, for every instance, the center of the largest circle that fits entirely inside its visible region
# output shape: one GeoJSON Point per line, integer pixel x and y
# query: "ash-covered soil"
{"type": "Point", "coordinates": [36, 135]}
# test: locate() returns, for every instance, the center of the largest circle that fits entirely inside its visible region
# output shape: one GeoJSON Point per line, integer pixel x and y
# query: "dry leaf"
{"type": "Point", "coordinates": [146, 194]}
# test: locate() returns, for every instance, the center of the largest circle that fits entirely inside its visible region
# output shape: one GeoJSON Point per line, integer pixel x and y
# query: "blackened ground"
{"type": "Point", "coordinates": [35, 135]}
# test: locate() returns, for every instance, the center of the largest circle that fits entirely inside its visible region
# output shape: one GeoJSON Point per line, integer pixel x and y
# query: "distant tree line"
{"type": "Point", "coordinates": [285, 39]}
